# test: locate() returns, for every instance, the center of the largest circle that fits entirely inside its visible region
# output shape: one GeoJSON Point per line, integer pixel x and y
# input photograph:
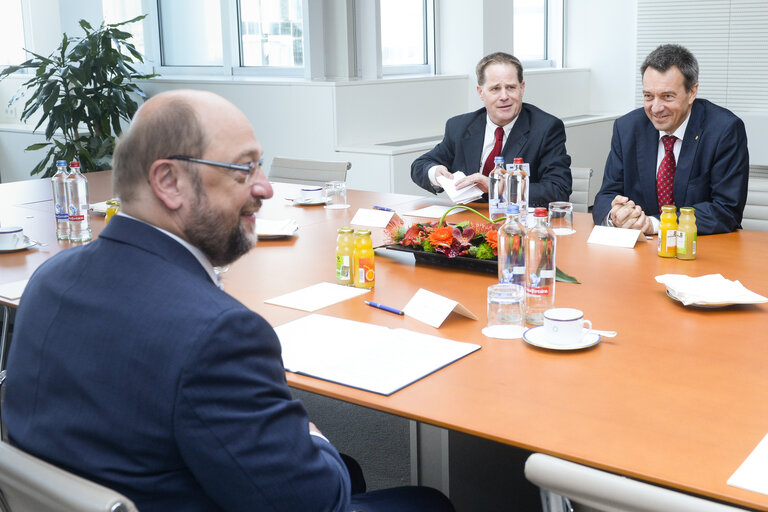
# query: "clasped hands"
{"type": "Point", "coordinates": [626, 214]}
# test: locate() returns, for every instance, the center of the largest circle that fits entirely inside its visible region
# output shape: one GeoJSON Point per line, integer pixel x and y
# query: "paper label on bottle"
{"type": "Point", "coordinates": [671, 239]}
{"type": "Point", "coordinates": [681, 236]}
{"type": "Point", "coordinates": [544, 274]}
{"type": "Point", "coordinates": [518, 270]}
{"type": "Point", "coordinates": [343, 268]}
{"type": "Point", "coordinates": [534, 290]}
{"type": "Point", "coordinates": [365, 270]}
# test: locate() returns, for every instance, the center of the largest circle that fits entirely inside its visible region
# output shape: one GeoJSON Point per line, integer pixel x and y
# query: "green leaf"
{"type": "Point", "coordinates": [35, 147]}
{"type": "Point", "coordinates": [565, 278]}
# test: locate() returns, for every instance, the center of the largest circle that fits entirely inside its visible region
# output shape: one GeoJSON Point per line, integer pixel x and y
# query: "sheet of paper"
{"type": "Point", "coordinates": [362, 355]}
{"type": "Point", "coordinates": [100, 208]}
{"type": "Point", "coordinates": [282, 227]}
{"type": "Point", "coordinates": [615, 237]}
{"type": "Point", "coordinates": [13, 290]}
{"type": "Point", "coordinates": [751, 475]}
{"type": "Point", "coordinates": [465, 195]}
{"type": "Point", "coordinates": [433, 309]}
{"type": "Point", "coordinates": [372, 218]}
{"type": "Point", "coordinates": [316, 296]}
{"type": "Point", "coordinates": [434, 212]}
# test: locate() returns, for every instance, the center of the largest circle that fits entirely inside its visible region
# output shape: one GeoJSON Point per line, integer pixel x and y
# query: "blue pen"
{"type": "Point", "coordinates": [385, 308]}
{"type": "Point", "coordinates": [383, 208]}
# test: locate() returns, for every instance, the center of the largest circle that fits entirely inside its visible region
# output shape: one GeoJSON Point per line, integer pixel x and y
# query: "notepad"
{"type": "Point", "coordinates": [362, 355]}
{"type": "Point", "coordinates": [462, 196]}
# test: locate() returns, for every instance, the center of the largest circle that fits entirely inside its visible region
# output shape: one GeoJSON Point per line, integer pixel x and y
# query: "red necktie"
{"type": "Point", "coordinates": [665, 179]}
{"type": "Point", "coordinates": [496, 151]}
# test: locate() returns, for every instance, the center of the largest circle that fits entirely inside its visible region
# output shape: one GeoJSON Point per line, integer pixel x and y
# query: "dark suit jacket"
{"type": "Point", "coordinates": [712, 169]}
{"type": "Point", "coordinates": [131, 368]}
{"type": "Point", "coordinates": [537, 137]}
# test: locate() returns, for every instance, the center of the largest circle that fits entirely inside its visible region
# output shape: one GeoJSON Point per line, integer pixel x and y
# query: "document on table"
{"type": "Point", "coordinates": [362, 355]}
{"type": "Point", "coordinates": [751, 475]}
{"type": "Point", "coordinates": [465, 195]}
{"type": "Point", "coordinates": [316, 296]}
{"type": "Point", "coordinates": [13, 290]}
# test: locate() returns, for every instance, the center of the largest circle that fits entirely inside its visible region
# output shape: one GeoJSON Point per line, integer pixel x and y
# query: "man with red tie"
{"type": "Point", "coordinates": [504, 127]}
{"type": "Point", "coordinates": [676, 150]}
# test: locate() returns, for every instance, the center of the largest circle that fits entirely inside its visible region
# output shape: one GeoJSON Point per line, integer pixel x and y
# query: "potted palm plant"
{"type": "Point", "coordinates": [84, 90]}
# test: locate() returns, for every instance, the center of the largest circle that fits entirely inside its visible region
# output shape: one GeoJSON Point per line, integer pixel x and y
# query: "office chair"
{"type": "Point", "coordinates": [589, 490]}
{"type": "Point", "coordinates": [28, 484]}
{"type": "Point", "coordinates": [307, 172]}
{"type": "Point", "coordinates": [3, 435]}
{"type": "Point", "coordinates": [581, 188]}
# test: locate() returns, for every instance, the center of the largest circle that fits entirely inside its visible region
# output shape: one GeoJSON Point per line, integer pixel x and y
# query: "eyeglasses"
{"type": "Point", "coordinates": [251, 168]}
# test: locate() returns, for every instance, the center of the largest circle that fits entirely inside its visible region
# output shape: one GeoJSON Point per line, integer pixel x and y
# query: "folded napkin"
{"type": "Point", "coordinates": [465, 195]}
{"type": "Point", "coordinates": [13, 291]}
{"type": "Point", "coordinates": [283, 227]}
{"type": "Point", "coordinates": [712, 289]}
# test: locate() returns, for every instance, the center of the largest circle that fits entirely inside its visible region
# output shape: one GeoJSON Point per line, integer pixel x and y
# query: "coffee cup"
{"type": "Point", "coordinates": [311, 194]}
{"type": "Point", "coordinates": [565, 326]}
{"type": "Point", "coordinates": [11, 237]}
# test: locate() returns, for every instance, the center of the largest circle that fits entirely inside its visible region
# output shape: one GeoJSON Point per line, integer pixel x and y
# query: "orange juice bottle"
{"type": "Point", "coordinates": [686, 234]}
{"type": "Point", "coordinates": [364, 268]}
{"type": "Point", "coordinates": [668, 232]}
{"type": "Point", "coordinates": [345, 252]}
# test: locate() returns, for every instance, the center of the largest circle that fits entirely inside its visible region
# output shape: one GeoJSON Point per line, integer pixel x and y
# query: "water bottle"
{"type": "Point", "coordinates": [497, 206]}
{"type": "Point", "coordinates": [58, 183]}
{"type": "Point", "coordinates": [517, 188]}
{"type": "Point", "coordinates": [511, 248]}
{"type": "Point", "coordinates": [539, 268]}
{"type": "Point", "coordinates": [77, 203]}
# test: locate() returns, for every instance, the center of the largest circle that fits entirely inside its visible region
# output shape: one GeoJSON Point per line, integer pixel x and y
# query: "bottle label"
{"type": "Point", "coordinates": [365, 270]}
{"type": "Point", "coordinates": [537, 290]}
{"type": "Point", "coordinates": [61, 212]}
{"type": "Point", "coordinates": [681, 242]}
{"type": "Point", "coordinates": [343, 268]}
{"type": "Point", "coordinates": [518, 271]}
{"type": "Point", "coordinates": [671, 239]}
{"type": "Point", "coordinates": [544, 274]}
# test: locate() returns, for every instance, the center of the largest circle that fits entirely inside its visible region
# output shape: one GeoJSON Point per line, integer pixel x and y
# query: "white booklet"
{"type": "Point", "coordinates": [465, 195]}
{"type": "Point", "coordinates": [362, 355]}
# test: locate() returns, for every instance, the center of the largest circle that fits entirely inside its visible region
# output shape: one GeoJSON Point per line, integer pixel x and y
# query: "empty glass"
{"type": "Point", "coordinates": [506, 311]}
{"type": "Point", "coordinates": [561, 218]}
{"type": "Point", "coordinates": [335, 195]}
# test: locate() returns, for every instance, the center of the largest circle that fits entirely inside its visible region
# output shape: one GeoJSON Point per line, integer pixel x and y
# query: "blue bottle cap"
{"type": "Point", "coordinates": [498, 160]}
{"type": "Point", "coordinates": [61, 163]}
{"type": "Point", "coordinates": [513, 208]}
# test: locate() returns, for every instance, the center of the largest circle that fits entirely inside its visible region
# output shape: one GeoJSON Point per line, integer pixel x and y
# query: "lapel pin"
{"type": "Point", "coordinates": [697, 138]}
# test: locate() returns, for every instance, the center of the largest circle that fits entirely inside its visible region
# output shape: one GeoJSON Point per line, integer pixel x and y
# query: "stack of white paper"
{"type": "Point", "coordinates": [465, 195]}
{"type": "Point", "coordinates": [712, 289]}
{"type": "Point", "coordinates": [362, 355]}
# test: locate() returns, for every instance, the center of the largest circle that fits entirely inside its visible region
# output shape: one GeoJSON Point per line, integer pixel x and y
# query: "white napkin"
{"type": "Point", "coordinates": [712, 289]}
{"type": "Point", "coordinates": [465, 195]}
{"type": "Point", "coordinates": [283, 227]}
{"type": "Point", "coordinates": [13, 291]}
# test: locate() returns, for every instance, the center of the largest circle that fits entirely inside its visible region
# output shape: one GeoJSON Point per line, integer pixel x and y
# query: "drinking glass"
{"type": "Point", "coordinates": [506, 311]}
{"type": "Point", "coordinates": [561, 218]}
{"type": "Point", "coordinates": [336, 195]}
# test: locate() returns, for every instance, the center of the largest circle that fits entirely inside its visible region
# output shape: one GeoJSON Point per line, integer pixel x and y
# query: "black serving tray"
{"type": "Point", "coordinates": [436, 258]}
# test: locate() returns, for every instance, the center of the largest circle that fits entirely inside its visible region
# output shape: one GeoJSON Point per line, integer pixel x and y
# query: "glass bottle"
{"type": "Point", "coordinates": [59, 186]}
{"type": "Point", "coordinates": [511, 248]}
{"type": "Point", "coordinates": [540, 243]}
{"type": "Point", "coordinates": [363, 264]}
{"type": "Point", "coordinates": [667, 231]}
{"type": "Point", "coordinates": [345, 251]}
{"type": "Point", "coordinates": [497, 205]}
{"type": "Point", "coordinates": [516, 190]}
{"type": "Point", "coordinates": [686, 234]}
{"type": "Point", "coordinates": [77, 203]}
{"type": "Point", "coordinates": [113, 206]}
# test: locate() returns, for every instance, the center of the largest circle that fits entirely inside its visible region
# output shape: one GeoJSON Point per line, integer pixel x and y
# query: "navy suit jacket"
{"type": "Point", "coordinates": [131, 368]}
{"type": "Point", "coordinates": [537, 137]}
{"type": "Point", "coordinates": [712, 169]}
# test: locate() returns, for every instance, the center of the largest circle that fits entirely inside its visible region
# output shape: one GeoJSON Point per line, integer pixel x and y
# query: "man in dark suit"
{"type": "Point", "coordinates": [131, 367]}
{"type": "Point", "coordinates": [515, 128]}
{"type": "Point", "coordinates": [676, 150]}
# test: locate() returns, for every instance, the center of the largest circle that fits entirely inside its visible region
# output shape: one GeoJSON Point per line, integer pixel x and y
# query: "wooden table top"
{"type": "Point", "coordinates": [678, 398]}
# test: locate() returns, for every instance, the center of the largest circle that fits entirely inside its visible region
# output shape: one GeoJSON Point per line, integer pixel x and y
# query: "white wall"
{"type": "Point", "coordinates": [601, 35]}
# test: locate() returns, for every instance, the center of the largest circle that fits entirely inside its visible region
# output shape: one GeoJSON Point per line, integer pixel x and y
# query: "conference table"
{"type": "Point", "coordinates": [678, 398]}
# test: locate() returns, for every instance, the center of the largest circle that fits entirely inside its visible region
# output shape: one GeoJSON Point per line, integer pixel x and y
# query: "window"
{"type": "Point", "coordinates": [271, 33]}
{"type": "Point", "coordinates": [116, 11]}
{"type": "Point", "coordinates": [12, 34]}
{"type": "Point", "coordinates": [538, 32]}
{"type": "Point", "coordinates": [407, 36]}
{"type": "Point", "coordinates": [190, 33]}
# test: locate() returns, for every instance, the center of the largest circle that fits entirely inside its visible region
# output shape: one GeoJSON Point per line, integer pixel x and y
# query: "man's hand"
{"type": "Point", "coordinates": [441, 170]}
{"type": "Point", "coordinates": [626, 214]}
{"type": "Point", "coordinates": [476, 178]}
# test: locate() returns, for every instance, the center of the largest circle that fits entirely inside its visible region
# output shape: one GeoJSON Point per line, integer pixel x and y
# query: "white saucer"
{"type": "Point", "coordinates": [26, 244]}
{"type": "Point", "coordinates": [309, 202]}
{"type": "Point", "coordinates": [535, 337]}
